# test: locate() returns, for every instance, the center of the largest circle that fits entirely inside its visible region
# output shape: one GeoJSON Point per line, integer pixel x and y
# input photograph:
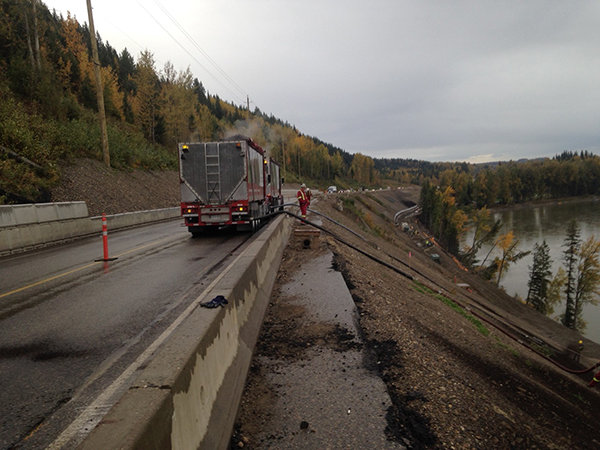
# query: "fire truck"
{"type": "Point", "coordinates": [227, 183]}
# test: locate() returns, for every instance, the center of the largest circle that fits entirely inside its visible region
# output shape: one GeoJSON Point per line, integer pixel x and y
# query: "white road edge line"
{"type": "Point", "coordinates": [94, 413]}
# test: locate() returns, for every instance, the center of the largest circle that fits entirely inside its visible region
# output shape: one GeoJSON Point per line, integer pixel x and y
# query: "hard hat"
{"type": "Point", "coordinates": [581, 342]}
{"type": "Point", "coordinates": [302, 185]}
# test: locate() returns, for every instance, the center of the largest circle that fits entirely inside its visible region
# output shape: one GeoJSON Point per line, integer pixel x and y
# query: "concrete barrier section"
{"type": "Point", "coordinates": [26, 227]}
{"type": "Point", "coordinates": [188, 396]}
{"type": "Point", "coordinates": [71, 210]}
{"type": "Point", "coordinates": [24, 214]}
{"type": "Point", "coordinates": [7, 218]}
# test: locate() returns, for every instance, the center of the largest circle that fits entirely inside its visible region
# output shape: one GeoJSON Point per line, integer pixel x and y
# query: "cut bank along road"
{"type": "Point", "coordinates": [71, 326]}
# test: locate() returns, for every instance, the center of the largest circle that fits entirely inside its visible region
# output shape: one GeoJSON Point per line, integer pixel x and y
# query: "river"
{"type": "Point", "coordinates": [533, 224]}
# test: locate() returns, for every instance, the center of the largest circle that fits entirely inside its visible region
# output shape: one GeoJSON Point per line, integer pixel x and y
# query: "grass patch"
{"type": "Point", "coordinates": [375, 199]}
{"type": "Point", "coordinates": [541, 349]}
{"type": "Point", "coordinates": [425, 290]}
{"type": "Point", "coordinates": [506, 347]}
{"type": "Point", "coordinates": [350, 206]}
{"type": "Point", "coordinates": [352, 211]}
{"type": "Point", "coordinates": [365, 219]}
{"type": "Point", "coordinates": [581, 399]}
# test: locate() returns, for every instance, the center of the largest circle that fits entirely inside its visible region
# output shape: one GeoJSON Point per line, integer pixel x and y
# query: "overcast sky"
{"type": "Point", "coordinates": [433, 80]}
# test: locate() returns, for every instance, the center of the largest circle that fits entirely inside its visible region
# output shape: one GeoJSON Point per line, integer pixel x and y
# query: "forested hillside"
{"type": "Point", "coordinates": [48, 112]}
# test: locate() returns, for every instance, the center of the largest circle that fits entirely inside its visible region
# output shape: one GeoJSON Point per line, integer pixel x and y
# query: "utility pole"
{"type": "Point", "coordinates": [99, 91]}
{"type": "Point", "coordinates": [283, 155]}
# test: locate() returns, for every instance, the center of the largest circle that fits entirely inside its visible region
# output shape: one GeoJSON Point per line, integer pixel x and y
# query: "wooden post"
{"type": "Point", "coordinates": [99, 91]}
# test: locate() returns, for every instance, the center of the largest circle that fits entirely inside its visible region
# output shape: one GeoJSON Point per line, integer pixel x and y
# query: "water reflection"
{"type": "Point", "coordinates": [531, 225]}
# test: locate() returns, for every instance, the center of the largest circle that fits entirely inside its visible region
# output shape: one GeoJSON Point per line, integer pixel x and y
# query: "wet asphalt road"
{"type": "Point", "coordinates": [70, 326]}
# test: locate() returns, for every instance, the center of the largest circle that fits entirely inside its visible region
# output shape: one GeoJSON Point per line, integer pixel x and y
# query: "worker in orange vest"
{"type": "Point", "coordinates": [302, 201]}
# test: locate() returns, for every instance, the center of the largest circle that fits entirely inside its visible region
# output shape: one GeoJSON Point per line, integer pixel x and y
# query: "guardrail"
{"type": "Point", "coordinates": [26, 227]}
{"type": "Point", "coordinates": [188, 395]}
{"type": "Point", "coordinates": [405, 212]}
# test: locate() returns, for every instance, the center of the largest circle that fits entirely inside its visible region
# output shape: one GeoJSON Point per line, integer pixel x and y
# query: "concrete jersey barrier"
{"type": "Point", "coordinates": [188, 395]}
{"type": "Point", "coordinates": [26, 227]}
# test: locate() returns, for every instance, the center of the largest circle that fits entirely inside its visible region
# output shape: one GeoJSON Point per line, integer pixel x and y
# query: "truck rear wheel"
{"type": "Point", "coordinates": [196, 231]}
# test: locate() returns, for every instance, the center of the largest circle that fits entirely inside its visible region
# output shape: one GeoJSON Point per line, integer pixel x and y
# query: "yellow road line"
{"type": "Point", "coordinates": [46, 280]}
{"type": "Point", "coordinates": [76, 270]}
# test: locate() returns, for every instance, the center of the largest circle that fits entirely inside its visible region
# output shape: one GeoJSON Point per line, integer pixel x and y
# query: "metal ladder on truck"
{"type": "Point", "coordinates": [213, 174]}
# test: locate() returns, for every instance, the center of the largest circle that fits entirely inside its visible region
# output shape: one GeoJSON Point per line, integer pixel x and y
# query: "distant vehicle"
{"type": "Point", "coordinates": [227, 183]}
{"type": "Point", "coordinates": [331, 190]}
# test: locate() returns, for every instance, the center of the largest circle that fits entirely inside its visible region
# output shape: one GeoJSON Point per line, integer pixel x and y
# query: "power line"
{"type": "Point", "coordinates": [200, 49]}
{"type": "Point", "coordinates": [191, 56]}
{"type": "Point", "coordinates": [121, 31]}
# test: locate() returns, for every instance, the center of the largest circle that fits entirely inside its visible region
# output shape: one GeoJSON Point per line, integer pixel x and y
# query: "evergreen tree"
{"type": "Point", "coordinates": [126, 71]}
{"type": "Point", "coordinates": [200, 92]}
{"type": "Point", "coordinates": [539, 278]}
{"type": "Point", "coordinates": [218, 109]}
{"type": "Point", "coordinates": [572, 245]}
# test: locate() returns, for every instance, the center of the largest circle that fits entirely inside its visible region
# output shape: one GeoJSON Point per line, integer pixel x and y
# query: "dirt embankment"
{"type": "Point", "coordinates": [443, 340]}
{"type": "Point", "coordinates": [111, 191]}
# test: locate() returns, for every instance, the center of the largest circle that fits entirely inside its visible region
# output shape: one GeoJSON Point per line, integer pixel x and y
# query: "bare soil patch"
{"type": "Point", "coordinates": [111, 191]}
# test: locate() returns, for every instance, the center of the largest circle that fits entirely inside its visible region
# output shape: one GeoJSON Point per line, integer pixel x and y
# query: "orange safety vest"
{"type": "Point", "coordinates": [301, 196]}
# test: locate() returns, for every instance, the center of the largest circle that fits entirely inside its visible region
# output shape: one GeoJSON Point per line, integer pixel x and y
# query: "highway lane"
{"type": "Point", "coordinates": [70, 326]}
